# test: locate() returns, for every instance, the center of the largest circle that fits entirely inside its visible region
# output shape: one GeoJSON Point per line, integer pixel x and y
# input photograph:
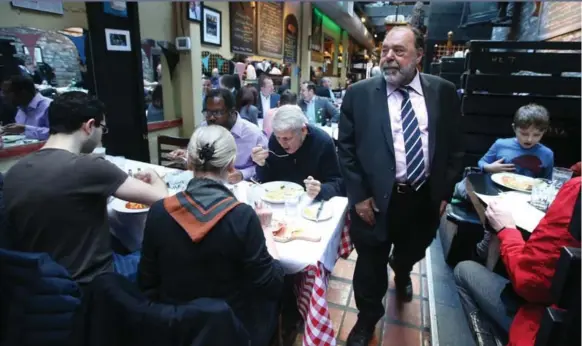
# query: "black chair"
{"type": "Point", "coordinates": [561, 325]}
{"type": "Point", "coordinates": [167, 144]}
{"type": "Point", "coordinates": [461, 229]}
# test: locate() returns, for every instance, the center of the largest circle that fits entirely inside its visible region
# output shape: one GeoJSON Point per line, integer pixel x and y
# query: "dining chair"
{"type": "Point", "coordinates": [167, 144]}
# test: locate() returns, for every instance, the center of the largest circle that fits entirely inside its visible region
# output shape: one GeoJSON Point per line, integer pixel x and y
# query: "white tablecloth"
{"type": "Point", "coordinates": [294, 255]}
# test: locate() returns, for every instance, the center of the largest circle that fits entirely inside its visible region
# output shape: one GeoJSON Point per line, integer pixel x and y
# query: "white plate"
{"type": "Point", "coordinates": [499, 177]}
{"type": "Point", "coordinates": [277, 186]}
{"type": "Point", "coordinates": [310, 212]}
{"type": "Point", "coordinates": [119, 206]}
{"type": "Point", "coordinates": [13, 138]}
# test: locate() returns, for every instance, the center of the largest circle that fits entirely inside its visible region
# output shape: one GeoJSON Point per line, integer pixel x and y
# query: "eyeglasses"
{"type": "Point", "coordinates": [216, 114]}
{"type": "Point", "coordinates": [104, 128]}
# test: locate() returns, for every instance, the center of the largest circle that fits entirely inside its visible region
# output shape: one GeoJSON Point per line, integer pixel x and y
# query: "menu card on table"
{"type": "Point", "coordinates": [525, 215]}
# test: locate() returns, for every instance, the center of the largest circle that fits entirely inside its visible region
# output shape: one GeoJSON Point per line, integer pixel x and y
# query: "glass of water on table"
{"type": "Point", "coordinates": [561, 175]}
{"type": "Point", "coordinates": [543, 193]}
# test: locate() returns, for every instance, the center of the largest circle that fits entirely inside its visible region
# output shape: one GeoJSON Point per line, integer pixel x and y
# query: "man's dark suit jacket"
{"type": "Point", "coordinates": [366, 147]}
{"type": "Point", "coordinates": [274, 102]}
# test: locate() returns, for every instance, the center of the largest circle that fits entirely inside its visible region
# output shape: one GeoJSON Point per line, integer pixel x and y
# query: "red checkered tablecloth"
{"type": "Point", "coordinates": [311, 297]}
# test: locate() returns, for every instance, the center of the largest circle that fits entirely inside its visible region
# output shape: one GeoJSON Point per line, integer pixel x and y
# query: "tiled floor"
{"type": "Point", "coordinates": [405, 325]}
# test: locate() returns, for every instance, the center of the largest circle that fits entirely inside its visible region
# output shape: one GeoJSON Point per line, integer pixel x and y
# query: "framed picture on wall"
{"type": "Point", "coordinates": [211, 30]}
{"type": "Point", "coordinates": [117, 40]}
{"type": "Point", "coordinates": [195, 11]}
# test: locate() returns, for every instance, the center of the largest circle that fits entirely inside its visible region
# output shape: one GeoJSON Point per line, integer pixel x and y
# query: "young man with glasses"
{"type": "Point", "coordinates": [56, 197]}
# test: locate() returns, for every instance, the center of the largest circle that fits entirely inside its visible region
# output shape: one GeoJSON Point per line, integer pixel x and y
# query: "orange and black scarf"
{"type": "Point", "coordinates": [200, 207]}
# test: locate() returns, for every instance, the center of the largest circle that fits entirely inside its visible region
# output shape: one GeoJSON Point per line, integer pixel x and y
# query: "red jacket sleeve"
{"type": "Point", "coordinates": [531, 265]}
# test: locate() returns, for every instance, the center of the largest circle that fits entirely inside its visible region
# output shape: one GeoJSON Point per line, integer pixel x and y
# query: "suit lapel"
{"type": "Point", "coordinates": [380, 102]}
{"type": "Point", "coordinates": [433, 114]}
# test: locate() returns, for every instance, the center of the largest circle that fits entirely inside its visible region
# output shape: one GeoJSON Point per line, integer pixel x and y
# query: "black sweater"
{"type": "Point", "coordinates": [317, 157]}
{"type": "Point", "coordinates": [231, 262]}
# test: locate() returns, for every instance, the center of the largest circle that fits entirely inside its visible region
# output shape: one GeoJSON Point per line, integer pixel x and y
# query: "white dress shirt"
{"type": "Point", "coordinates": [265, 102]}
{"type": "Point", "coordinates": [419, 106]}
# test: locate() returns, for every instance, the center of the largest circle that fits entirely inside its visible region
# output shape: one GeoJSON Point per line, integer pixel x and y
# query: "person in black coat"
{"type": "Point", "coordinates": [400, 160]}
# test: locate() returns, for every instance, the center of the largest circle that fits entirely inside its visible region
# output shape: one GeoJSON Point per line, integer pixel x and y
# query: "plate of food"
{"type": "Point", "coordinates": [279, 191]}
{"type": "Point", "coordinates": [514, 181]}
{"type": "Point", "coordinates": [310, 212]}
{"type": "Point", "coordinates": [284, 232]}
{"type": "Point", "coordinates": [126, 207]}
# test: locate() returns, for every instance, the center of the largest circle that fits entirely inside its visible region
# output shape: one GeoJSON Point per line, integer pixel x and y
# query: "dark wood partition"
{"type": "Point", "coordinates": [503, 76]}
{"type": "Point", "coordinates": [118, 80]}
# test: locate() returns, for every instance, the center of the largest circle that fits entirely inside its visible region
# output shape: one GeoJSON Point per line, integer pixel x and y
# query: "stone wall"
{"type": "Point", "coordinates": [58, 51]}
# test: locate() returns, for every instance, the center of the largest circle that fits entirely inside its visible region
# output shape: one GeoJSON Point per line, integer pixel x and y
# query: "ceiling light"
{"type": "Point", "coordinates": [375, 35]}
{"type": "Point", "coordinates": [363, 20]}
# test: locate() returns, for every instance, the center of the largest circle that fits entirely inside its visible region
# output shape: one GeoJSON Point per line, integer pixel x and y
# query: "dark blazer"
{"type": "Point", "coordinates": [366, 147]}
{"type": "Point", "coordinates": [274, 102]}
{"type": "Point", "coordinates": [322, 92]}
{"type": "Point", "coordinates": [329, 111]}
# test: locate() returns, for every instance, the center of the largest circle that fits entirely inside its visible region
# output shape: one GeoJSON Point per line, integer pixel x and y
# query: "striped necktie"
{"type": "Point", "coordinates": [415, 174]}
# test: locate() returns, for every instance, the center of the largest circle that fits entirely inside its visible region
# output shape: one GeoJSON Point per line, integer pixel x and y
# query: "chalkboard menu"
{"type": "Point", "coordinates": [558, 18]}
{"type": "Point", "coordinates": [270, 29]}
{"type": "Point", "coordinates": [242, 27]}
{"type": "Point", "coordinates": [291, 33]}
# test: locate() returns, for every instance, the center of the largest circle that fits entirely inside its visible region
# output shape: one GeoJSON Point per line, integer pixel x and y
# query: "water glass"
{"type": "Point", "coordinates": [254, 194]}
{"type": "Point", "coordinates": [561, 175]}
{"type": "Point", "coordinates": [543, 194]}
{"type": "Point", "coordinates": [291, 206]}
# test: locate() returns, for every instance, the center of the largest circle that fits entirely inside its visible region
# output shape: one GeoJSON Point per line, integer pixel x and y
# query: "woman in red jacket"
{"type": "Point", "coordinates": [530, 264]}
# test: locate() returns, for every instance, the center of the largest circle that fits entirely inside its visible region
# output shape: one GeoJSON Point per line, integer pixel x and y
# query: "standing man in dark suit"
{"type": "Point", "coordinates": [400, 155]}
{"type": "Point", "coordinates": [267, 98]}
{"type": "Point", "coordinates": [318, 110]}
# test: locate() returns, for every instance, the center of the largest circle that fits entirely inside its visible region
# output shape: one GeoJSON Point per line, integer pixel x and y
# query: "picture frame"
{"type": "Point", "coordinates": [211, 28]}
{"type": "Point", "coordinates": [118, 40]}
{"type": "Point", "coordinates": [195, 9]}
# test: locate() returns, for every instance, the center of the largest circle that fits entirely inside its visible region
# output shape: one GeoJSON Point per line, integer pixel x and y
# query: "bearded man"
{"type": "Point", "coordinates": [400, 155]}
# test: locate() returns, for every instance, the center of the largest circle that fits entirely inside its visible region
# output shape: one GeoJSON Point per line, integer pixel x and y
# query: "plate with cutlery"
{"type": "Point", "coordinates": [320, 211]}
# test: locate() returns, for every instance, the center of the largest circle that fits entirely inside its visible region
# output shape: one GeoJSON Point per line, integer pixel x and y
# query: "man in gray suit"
{"type": "Point", "coordinates": [318, 110]}
{"type": "Point", "coordinates": [400, 156]}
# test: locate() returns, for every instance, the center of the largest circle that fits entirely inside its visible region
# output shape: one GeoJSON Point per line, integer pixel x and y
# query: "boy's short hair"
{"type": "Point", "coordinates": [532, 115]}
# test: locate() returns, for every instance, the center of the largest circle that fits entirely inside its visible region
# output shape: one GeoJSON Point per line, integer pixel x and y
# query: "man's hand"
{"type": "Point", "coordinates": [442, 208]}
{"type": "Point", "coordinates": [178, 155]}
{"type": "Point", "coordinates": [498, 166]}
{"type": "Point", "coordinates": [151, 177]}
{"type": "Point", "coordinates": [312, 186]}
{"type": "Point", "coordinates": [14, 129]}
{"type": "Point", "coordinates": [366, 209]}
{"type": "Point", "coordinates": [259, 155]}
{"type": "Point", "coordinates": [235, 177]}
{"type": "Point", "coordinates": [498, 214]}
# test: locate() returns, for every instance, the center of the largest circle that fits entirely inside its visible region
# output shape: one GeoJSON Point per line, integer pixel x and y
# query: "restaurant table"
{"type": "Point", "coordinates": [313, 261]}
{"type": "Point", "coordinates": [481, 190]}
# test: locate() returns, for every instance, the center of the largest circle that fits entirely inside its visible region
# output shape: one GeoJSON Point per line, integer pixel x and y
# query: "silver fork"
{"type": "Point", "coordinates": [277, 155]}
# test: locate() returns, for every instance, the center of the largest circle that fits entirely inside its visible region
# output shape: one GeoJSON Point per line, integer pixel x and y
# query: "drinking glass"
{"type": "Point", "coordinates": [561, 175]}
{"type": "Point", "coordinates": [291, 206]}
{"type": "Point", "coordinates": [254, 194]}
{"type": "Point", "coordinates": [543, 194]}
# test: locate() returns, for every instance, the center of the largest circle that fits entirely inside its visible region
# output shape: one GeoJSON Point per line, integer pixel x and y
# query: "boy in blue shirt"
{"type": "Point", "coordinates": [523, 154]}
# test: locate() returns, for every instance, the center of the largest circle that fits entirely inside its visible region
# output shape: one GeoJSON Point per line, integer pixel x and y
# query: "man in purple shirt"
{"type": "Point", "coordinates": [32, 116]}
{"type": "Point", "coordinates": [220, 109]}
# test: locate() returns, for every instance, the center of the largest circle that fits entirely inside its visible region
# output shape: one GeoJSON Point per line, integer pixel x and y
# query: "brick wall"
{"type": "Point", "coordinates": [58, 51]}
{"type": "Point", "coordinates": [557, 21]}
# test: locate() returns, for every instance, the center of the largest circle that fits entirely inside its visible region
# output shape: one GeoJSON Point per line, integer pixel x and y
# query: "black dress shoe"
{"type": "Point", "coordinates": [360, 335]}
{"type": "Point", "coordinates": [403, 288]}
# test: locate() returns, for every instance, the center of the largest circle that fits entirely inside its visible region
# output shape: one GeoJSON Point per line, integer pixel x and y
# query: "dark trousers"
{"type": "Point", "coordinates": [260, 319]}
{"type": "Point", "coordinates": [412, 221]}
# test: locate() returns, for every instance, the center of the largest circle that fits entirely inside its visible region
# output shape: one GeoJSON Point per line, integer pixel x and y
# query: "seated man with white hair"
{"type": "Point", "coordinates": [301, 153]}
